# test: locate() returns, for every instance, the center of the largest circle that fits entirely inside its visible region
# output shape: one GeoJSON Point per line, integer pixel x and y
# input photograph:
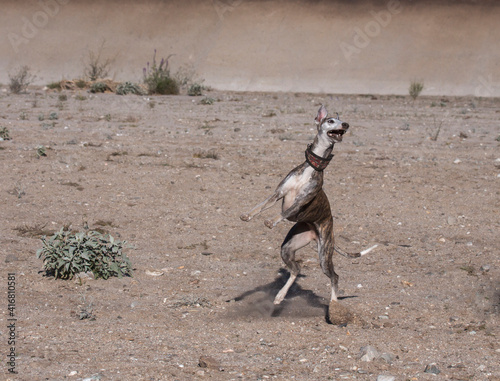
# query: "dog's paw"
{"type": "Point", "coordinates": [269, 224]}
{"type": "Point", "coordinates": [245, 217]}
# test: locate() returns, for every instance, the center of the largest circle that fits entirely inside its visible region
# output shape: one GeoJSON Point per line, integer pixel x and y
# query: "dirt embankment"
{"type": "Point", "coordinates": [315, 46]}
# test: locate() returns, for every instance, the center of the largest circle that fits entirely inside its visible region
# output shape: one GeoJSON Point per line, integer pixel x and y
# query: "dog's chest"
{"type": "Point", "coordinates": [297, 185]}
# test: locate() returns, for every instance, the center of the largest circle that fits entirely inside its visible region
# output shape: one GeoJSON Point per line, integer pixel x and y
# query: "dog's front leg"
{"type": "Point", "coordinates": [299, 201]}
{"type": "Point", "coordinates": [266, 204]}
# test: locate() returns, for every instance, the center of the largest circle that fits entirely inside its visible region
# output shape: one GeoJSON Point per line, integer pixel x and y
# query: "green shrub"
{"type": "Point", "coordinates": [207, 101]}
{"type": "Point", "coordinates": [4, 133]}
{"type": "Point", "coordinates": [128, 88]}
{"type": "Point", "coordinates": [54, 86]}
{"type": "Point", "coordinates": [98, 87]}
{"type": "Point", "coordinates": [196, 90]}
{"type": "Point", "coordinates": [66, 254]}
{"type": "Point", "coordinates": [80, 83]}
{"type": "Point", "coordinates": [415, 89]}
{"type": "Point", "coordinates": [157, 78]}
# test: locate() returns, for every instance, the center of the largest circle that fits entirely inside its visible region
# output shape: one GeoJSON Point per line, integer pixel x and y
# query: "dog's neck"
{"type": "Point", "coordinates": [319, 153]}
{"type": "Point", "coordinates": [322, 146]}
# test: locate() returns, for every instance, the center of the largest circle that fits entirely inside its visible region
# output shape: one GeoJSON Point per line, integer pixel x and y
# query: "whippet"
{"type": "Point", "coordinates": [305, 203]}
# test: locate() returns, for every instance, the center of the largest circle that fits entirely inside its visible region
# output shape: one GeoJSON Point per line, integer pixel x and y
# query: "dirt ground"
{"type": "Point", "coordinates": [171, 176]}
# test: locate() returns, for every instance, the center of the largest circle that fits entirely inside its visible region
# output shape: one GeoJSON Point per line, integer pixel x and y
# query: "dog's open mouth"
{"type": "Point", "coordinates": [332, 133]}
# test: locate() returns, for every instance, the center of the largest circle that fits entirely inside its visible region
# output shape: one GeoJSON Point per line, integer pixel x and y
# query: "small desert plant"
{"type": "Point", "coordinates": [196, 90]}
{"type": "Point", "coordinates": [98, 87]}
{"type": "Point", "coordinates": [415, 89]}
{"type": "Point", "coordinates": [20, 79]}
{"type": "Point", "coordinates": [66, 254]}
{"type": "Point", "coordinates": [54, 86]}
{"type": "Point", "coordinates": [41, 151]}
{"type": "Point", "coordinates": [210, 154]}
{"type": "Point", "coordinates": [95, 65]}
{"type": "Point", "coordinates": [128, 88]}
{"type": "Point", "coordinates": [157, 78]}
{"type": "Point", "coordinates": [4, 133]}
{"type": "Point", "coordinates": [80, 83]}
{"type": "Point", "coordinates": [207, 101]}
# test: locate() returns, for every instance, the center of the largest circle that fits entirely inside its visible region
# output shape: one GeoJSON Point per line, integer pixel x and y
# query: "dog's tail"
{"type": "Point", "coordinates": [354, 255]}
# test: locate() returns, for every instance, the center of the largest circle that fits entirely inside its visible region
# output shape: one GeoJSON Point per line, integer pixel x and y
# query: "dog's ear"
{"type": "Point", "coordinates": [322, 113]}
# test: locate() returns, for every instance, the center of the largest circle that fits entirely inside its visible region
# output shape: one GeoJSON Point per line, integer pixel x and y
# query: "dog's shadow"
{"type": "Point", "coordinates": [298, 301]}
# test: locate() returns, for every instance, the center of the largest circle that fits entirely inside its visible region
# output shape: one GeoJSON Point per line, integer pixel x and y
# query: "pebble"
{"type": "Point", "coordinates": [209, 362]}
{"type": "Point", "coordinates": [95, 377]}
{"type": "Point", "coordinates": [154, 273]}
{"type": "Point", "coordinates": [457, 161]}
{"type": "Point", "coordinates": [485, 268]}
{"type": "Point", "coordinates": [386, 378]}
{"type": "Point", "coordinates": [452, 220]}
{"type": "Point", "coordinates": [11, 258]}
{"type": "Point", "coordinates": [432, 368]}
{"type": "Point", "coordinates": [368, 353]}
{"type": "Point", "coordinates": [387, 357]}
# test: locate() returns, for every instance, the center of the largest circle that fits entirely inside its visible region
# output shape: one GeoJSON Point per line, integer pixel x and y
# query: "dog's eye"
{"type": "Point", "coordinates": [331, 121]}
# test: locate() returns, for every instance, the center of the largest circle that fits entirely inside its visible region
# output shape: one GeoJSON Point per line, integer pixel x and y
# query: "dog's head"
{"type": "Point", "coordinates": [332, 128]}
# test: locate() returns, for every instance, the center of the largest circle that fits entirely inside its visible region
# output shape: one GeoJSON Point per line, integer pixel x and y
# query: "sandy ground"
{"type": "Point", "coordinates": [171, 176]}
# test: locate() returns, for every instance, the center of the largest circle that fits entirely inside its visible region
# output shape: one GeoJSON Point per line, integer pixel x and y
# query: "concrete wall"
{"type": "Point", "coordinates": [341, 46]}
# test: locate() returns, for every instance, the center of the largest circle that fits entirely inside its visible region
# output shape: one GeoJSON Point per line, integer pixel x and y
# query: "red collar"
{"type": "Point", "coordinates": [317, 162]}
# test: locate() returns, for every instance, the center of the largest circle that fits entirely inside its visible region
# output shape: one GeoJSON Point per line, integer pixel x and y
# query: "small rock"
{"type": "Point", "coordinates": [452, 220]}
{"type": "Point", "coordinates": [457, 161]}
{"type": "Point", "coordinates": [154, 273]}
{"type": "Point", "coordinates": [10, 258]}
{"type": "Point", "coordinates": [207, 253]}
{"type": "Point", "coordinates": [83, 277]}
{"type": "Point", "coordinates": [386, 378]}
{"type": "Point", "coordinates": [432, 368]}
{"type": "Point", "coordinates": [497, 163]}
{"type": "Point", "coordinates": [485, 268]}
{"type": "Point", "coordinates": [95, 377]}
{"type": "Point", "coordinates": [209, 362]}
{"type": "Point", "coordinates": [387, 357]}
{"type": "Point", "coordinates": [368, 353]}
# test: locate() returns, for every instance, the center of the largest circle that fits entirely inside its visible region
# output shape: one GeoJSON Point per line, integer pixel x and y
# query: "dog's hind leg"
{"type": "Point", "coordinates": [298, 236]}
{"type": "Point", "coordinates": [325, 252]}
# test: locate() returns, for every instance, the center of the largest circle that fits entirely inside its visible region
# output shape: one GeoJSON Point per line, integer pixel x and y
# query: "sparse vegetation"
{"type": "Point", "coordinates": [158, 79]}
{"type": "Point", "coordinates": [66, 254]}
{"type": "Point", "coordinates": [96, 66]}
{"type": "Point", "coordinates": [54, 86]}
{"type": "Point", "coordinates": [20, 80]}
{"type": "Point", "coordinates": [80, 83]}
{"type": "Point", "coordinates": [207, 101]}
{"type": "Point", "coordinates": [98, 87]}
{"type": "Point", "coordinates": [4, 133]}
{"type": "Point", "coordinates": [128, 88]}
{"type": "Point", "coordinates": [196, 89]}
{"type": "Point", "coordinates": [415, 89]}
{"type": "Point", "coordinates": [210, 154]}
{"type": "Point", "coordinates": [41, 151]}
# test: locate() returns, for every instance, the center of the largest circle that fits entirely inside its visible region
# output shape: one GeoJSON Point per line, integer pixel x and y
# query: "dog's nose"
{"type": "Point", "coordinates": [345, 125]}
